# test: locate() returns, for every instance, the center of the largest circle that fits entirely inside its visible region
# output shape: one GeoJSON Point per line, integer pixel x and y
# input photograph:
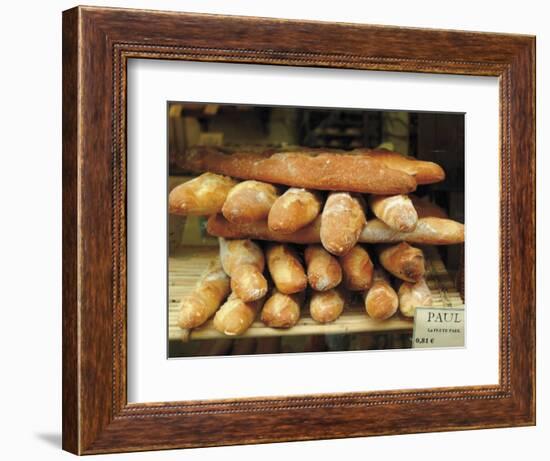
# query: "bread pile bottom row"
{"type": "Point", "coordinates": [283, 249]}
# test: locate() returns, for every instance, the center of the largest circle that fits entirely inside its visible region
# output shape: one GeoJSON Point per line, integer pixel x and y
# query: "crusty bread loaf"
{"type": "Point", "coordinates": [342, 221]}
{"type": "Point", "coordinates": [207, 295]}
{"type": "Point", "coordinates": [381, 300]}
{"type": "Point", "coordinates": [323, 269]}
{"type": "Point", "coordinates": [244, 262]}
{"type": "Point", "coordinates": [281, 310]}
{"type": "Point", "coordinates": [423, 172]}
{"type": "Point", "coordinates": [397, 211]}
{"type": "Point", "coordinates": [402, 260]}
{"type": "Point", "coordinates": [295, 209]}
{"type": "Point", "coordinates": [413, 295]}
{"type": "Point", "coordinates": [285, 268]}
{"type": "Point", "coordinates": [429, 231]}
{"type": "Point", "coordinates": [326, 306]}
{"type": "Point", "coordinates": [203, 195]}
{"type": "Point", "coordinates": [357, 268]}
{"type": "Point", "coordinates": [307, 169]}
{"type": "Point", "coordinates": [235, 316]}
{"type": "Point", "coordinates": [249, 201]}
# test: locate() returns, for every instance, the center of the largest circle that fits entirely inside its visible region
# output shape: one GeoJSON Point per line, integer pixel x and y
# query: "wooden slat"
{"type": "Point", "coordinates": [188, 263]}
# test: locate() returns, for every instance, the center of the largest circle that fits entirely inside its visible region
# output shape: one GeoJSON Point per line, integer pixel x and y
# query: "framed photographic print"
{"type": "Point", "coordinates": [284, 230]}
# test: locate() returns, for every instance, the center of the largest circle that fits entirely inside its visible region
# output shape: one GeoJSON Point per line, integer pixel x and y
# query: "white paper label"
{"type": "Point", "coordinates": [438, 327]}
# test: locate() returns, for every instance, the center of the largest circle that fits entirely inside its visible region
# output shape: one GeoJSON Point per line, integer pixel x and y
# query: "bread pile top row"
{"type": "Point", "coordinates": [259, 208]}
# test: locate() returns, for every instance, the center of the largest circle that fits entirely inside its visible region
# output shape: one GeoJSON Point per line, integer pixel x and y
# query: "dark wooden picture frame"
{"type": "Point", "coordinates": [97, 44]}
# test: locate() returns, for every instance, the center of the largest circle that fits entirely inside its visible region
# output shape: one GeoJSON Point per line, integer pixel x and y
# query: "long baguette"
{"type": "Point", "coordinates": [282, 311]}
{"type": "Point", "coordinates": [326, 306]}
{"type": "Point", "coordinates": [397, 211]}
{"type": "Point", "coordinates": [207, 295]}
{"type": "Point", "coordinates": [357, 268]}
{"type": "Point", "coordinates": [285, 268]}
{"type": "Point", "coordinates": [323, 269]}
{"type": "Point", "coordinates": [249, 201]}
{"type": "Point", "coordinates": [324, 171]}
{"type": "Point", "coordinates": [235, 316]}
{"type": "Point", "coordinates": [429, 231]}
{"type": "Point", "coordinates": [412, 295]}
{"type": "Point", "coordinates": [381, 300]}
{"type": "Point", "coordinates": [424, 172]}
{"type": "Point", "coordinates": [295, 209]}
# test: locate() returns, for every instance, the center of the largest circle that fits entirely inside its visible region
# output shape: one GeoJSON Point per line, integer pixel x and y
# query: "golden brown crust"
{"type": "Point", "coordinates": [243, 260]}
{"type": "Point", "coordinates": [207, 295]}
{"type": "Point", "coordinates": [235, 316]}
{"type": "Point", "coordinates": [342, 221]}
{"type": "Point", "coordinates": [324, 171]}
{"type": "Point", "coordinates": [201, 196]}
{"type": "Point", "coordinates": [424, 172]}
{"type": "Point", "coordinates": [397, 211]}
{"type": "Point", "coordinates": [381, 300]}
{"type": "Point", "coordinates": [282, 310]}
{"type": "Point", "coordinates": [326, 306]}
{"type": "Point", "coordinates": [285, 268]}
{"type": "Point", "coordinates": [357, 268]}
{"type": "Point", "coordinates": [403, 261]}
{"type": "Point", "coordinates": [413, 295]}
{"type": "Point", "coordinates": [323, 269]}
{"type": "Point", "coordinates": [295, 209]}
{"type": "Point", "coordinates": [429, 231]}
{"type": "Point", "coordinates": [249, 201]}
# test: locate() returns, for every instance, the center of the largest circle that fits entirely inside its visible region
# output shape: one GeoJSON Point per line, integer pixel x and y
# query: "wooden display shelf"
{"type": "Point", "coordinates": [188, 263]}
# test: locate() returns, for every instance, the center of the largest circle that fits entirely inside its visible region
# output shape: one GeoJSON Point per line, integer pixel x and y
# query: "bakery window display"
{"type": "Point", "coordinates": [277, 246]}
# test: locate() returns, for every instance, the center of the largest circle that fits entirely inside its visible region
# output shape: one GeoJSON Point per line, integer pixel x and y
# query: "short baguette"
{"type": "Point", "coordinates": [403, 261]}
{"type": "Point", "coordinates": [381, 301]}
{"type": "Point", "coordinates": [396, 211]}
{"type": "Point", "coordinates": [235, 316]}
{"type": "Point", "coordinates": [207, 295]}
{"type": "Point", "coordinates": [326, 306]}
{"type": "Point", "coordinates": [342, 221]}
{"type": "Point", "coordinates": [323, 269]}
{"type": "Point", "coordinates": [357, 268]}
{"type": "Point", "coordinates": [281, 310]}
{"type": "Point", "coordinates": [413, 295]}
{"type": "Point", "coordinates": [249, 201]}
{"type": "Point", "coordinates": [285, 268]}
{"type": "Point", "coordinates": [308, 169]}
{"type": "Point", "coordinates": [295, 209]}
{"type": "Point", "coordinates": [203, 195]}
{"type": "Point", "coordinates": [429, 231]}
{"type": "Point", "coordinates": [244, 262]}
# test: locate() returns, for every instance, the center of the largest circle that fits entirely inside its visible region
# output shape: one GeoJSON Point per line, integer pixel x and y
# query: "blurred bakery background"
{"type": "Point", "coordinates": [437, 137]}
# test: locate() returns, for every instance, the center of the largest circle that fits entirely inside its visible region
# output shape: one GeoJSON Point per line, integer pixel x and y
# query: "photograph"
{"type": "Point", "coordinates": [312, 229]}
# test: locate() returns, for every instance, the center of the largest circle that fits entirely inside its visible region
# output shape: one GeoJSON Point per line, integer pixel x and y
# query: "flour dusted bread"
{"type": "Point", "coordinates": [307, 169]}
{"type": "Point", "coordinates": [243, 260]}
{"type": "Point", "coordinates": [198, 306]}
{"type": "Point", "coordinates": [412, 295]}
{"type": "Point", "coordinates": [282, 310]}
{"type": "Point", "coordinates": [235, 316]}
{"type": "Point", "coordinates": [381, 300]}
{"type": "Point", "coordinates": [295, 209]}
{"type": "Point", "coordinates": [357, 268]}
{"type": "Point", "coordinates": [286, 269]}
{"type": "Point", "coordinates": [429, 231]}
{"type": "Point", "coordinates": [326, 306]}
{"type": "Point", "coordinates": [249, 201]}
{"type": "Point", "coordinates": [203, 195]}
{"type": "Point", "coordinates": [396, 211]}
{"type": "Point", "coordinates": [403, 260]}
{"type": "Point", "coordinates": [323, 269]}
{"type": "Point", "coordinates": [342, 221]}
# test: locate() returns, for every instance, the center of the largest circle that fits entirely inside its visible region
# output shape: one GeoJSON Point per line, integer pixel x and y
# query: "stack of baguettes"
{"type": "Point", "coordinates": [310, 208]}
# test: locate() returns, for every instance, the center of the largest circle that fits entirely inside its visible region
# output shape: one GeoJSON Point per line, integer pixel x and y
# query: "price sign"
{"type": "Point", "coordinates": [438, 327]}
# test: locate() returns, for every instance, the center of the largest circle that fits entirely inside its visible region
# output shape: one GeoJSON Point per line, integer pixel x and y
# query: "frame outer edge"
{"type": "Point", "coordinates": [70, 190]}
